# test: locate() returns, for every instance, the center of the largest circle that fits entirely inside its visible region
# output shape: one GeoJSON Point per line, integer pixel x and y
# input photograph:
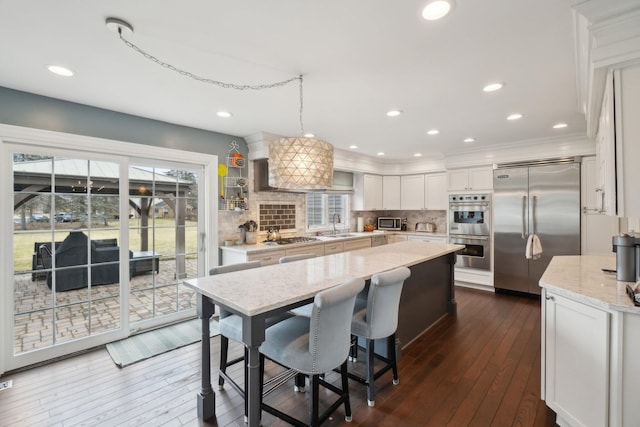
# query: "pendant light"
{"type": "Point", "coordinates": [300, 163]}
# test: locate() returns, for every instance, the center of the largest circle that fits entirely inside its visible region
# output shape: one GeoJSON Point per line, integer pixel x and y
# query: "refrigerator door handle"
{"type": "Point", "coordinates": [534, 200]}
{"type": "Point", "coordinates": [524, 223]}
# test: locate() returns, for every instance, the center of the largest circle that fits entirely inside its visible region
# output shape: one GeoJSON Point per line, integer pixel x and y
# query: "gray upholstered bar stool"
{"type": "Point", "coordinates": [298, 257]}
{"type": "Point", "coordinates": [305, 310]}
{"type": "Point", "coordinates": [315, 345]}
{"type": "Point", "coordinates": [376, 317]}
{"type": "Point", "coordinates": [230, 328]}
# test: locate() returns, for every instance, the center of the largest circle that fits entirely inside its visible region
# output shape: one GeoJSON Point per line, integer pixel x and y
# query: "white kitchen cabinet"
{"type": "Point", "coordinates": [435, 192]}
{"type": "Point", "coordinates": [352, 245]}
{"type": "Point", "coordinates": [391, 192]}
{"type": "Point", "coordinates": [367, 195]}
{"type": "Point", "coordinates": [412, 192]}
{"type": "Point", "coordinates": [596, 227]}
{"type": "Point", "coordinates": [471, 179]}
{"type": "Point", "coordinates": [333, 248]}
{"type": "Point", "coordinates": [605, 186]}
{"type": "Point", "coordinates": [617, 148]}
{"type": "Point", "coordinates": [428, 238]}
{"type": "Point", "coordinates": [395, 238]}
{"type": "Point", "coordinates": [316, 249]}
{"type": "Point", "coordinates": [627, 135]}
{"type": "Point", "coordinates": [576, 361]}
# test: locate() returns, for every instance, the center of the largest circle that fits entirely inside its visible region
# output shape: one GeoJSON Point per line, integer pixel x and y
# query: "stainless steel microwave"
{"type": "Point", "coordinates": [389, 223]}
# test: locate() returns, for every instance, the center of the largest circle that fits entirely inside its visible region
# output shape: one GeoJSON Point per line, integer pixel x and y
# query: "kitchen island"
{"type": "Point", "coordinates": [590, 343]}
{"type": "Point", "coordinates": [256, 294]}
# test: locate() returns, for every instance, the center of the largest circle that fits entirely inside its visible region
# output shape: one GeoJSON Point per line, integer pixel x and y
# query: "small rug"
{"type": "Point", "coordinates": [148, 344]}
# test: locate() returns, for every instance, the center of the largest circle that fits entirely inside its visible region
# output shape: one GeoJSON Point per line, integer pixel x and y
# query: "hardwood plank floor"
{"type": "Point", "coordinates": [481, 368]}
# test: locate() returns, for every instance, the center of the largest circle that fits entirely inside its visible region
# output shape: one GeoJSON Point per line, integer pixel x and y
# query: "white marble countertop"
{"type": "Point", "coordinates": [582, 279]}
{"type": "Point", "coordinates": [244, 291]}
{"type": "Point", "coordinates": [265, 246]}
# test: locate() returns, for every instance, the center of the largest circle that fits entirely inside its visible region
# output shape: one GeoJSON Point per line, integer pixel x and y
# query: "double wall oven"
{"type": "Point", "coordinates": [470, 225]}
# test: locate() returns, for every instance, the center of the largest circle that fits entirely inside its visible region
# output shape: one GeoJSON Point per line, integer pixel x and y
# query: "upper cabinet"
{"type": "Point", "coordinates": [605, 188]}
{"type": "Point", "coordinates": [391, 192]}
{"type": "Point", "coordinates": [412, 192]}
{"type": "Point", "coordinates": [617, 144]}
{"type": "Point", "coordinates": [471, 179]}
{"type": "Point", "coordinates": [627, 136]}
{"type": "Point", "coordinates": [435, 192]}
{"type": "Point", "coordinates": [367, 194]}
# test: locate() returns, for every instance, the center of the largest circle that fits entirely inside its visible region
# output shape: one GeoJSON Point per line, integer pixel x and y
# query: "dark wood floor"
{"type": "Point", "coordinates": [481, 368]}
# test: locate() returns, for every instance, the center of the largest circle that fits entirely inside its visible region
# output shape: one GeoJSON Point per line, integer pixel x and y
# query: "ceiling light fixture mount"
{"type": "Point", "coordinates": [119, 26]}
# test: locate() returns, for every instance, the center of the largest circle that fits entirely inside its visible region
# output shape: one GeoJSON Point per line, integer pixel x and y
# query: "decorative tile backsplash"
{"type": "Point", "coordinates": [281, 216]}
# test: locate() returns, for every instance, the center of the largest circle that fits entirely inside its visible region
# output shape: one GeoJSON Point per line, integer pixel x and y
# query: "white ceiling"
{"type": "Point", "coordinates": [359, 59]}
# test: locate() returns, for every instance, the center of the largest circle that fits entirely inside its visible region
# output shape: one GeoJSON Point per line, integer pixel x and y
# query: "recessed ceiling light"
{"type": "Point", "coordinates": [393, 113]}
{"type": "Point", "coordinates": [560, 125]}
{"type": "Point", "coordinates": [437, 9]}
{"type": "Point", "coordinates": [60, 70]}
{"type": "Point", "coordinates": [308, 135]}
{"type": "Point", "coordinates": [224, 114]}
{"type": "Point", "coordinates": [380, 153]}
{"type": "Point", "coordinates": [353, 147]}
{"type": "Point", "coordinates": [492, 87]}
{"type": "Point", "coordinates": [417, 155]}
{"type": "Point", "coordinates": [469, 140]}
{"type": "Point", "coordinates": [515, 116]}
{"type": "Point", "coordinates": [433, 132]}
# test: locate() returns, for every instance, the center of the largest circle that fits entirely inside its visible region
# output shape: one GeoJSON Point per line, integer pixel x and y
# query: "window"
{"type": "Point", "coordinates": [321, 207]}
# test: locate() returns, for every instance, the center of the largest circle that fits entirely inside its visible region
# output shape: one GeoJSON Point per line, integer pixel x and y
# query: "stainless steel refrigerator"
{"type": "Point", "coordinates": [542, 200]}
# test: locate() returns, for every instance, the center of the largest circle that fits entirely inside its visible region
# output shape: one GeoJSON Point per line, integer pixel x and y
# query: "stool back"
{"type": "Point", "coordinates": [221, 269]}
{"type": "Point", "coordinates": [291, 258]}
{"type": "Point", "coordinates": [230, 268]}
{"type": "Point", "coordinates": [330, 325]}
{"type": "Point", "coordinates": [383, 302]}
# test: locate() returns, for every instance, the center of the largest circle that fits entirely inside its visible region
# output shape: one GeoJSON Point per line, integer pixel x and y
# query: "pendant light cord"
{"type": "Point", "coordinates": [301, 108]}
{"type": "Point", "coordinates": [216, 82]}
{"type": "Point", "coordinates": [204, 79]}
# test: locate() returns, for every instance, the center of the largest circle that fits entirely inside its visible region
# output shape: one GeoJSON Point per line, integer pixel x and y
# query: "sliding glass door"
{"type": "Point", "coordinates": [163, 240]}
{"type": "Point", "coordinates": [100, 246]}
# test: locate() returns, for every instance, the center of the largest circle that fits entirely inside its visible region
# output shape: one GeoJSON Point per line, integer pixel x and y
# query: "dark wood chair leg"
{"type": "Point", "coordinates": [345, 392]}
{"type": "Point", "coordinates": [370, 377]}
{"type": "Point", "coordinates": [224, 350]}
{"type": "Point", "coordinates": [313, 400]}
{"type": "Point", "coordinates": [300, 383]}
{"type": "Point", "coordinates": [391, 350]}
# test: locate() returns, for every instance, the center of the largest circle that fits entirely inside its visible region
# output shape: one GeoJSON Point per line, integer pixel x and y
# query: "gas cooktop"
{"type": "Point", "coordinates": [290, 240]}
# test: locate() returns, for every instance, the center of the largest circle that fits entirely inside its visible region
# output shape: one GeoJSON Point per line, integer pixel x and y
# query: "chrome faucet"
{"type": "Point", "coordinates": [333, 220]}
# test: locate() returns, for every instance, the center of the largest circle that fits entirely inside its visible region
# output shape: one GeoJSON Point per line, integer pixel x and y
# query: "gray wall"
{"type": "Point", "coordinates": [35, 111]}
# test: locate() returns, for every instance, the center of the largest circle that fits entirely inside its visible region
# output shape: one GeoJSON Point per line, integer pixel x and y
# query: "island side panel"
{"type": "Point", "coordinates": [426, 297]}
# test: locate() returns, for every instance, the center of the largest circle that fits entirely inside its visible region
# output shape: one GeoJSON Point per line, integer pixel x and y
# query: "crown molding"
{"type": "Point", "coordinates": [606, 35]}
{"type": "Point", "coordinates": [544, 148]}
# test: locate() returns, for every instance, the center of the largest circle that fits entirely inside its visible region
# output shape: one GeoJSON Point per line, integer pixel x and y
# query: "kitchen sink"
{"type": "Point", "coordinates": [340, 235]}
